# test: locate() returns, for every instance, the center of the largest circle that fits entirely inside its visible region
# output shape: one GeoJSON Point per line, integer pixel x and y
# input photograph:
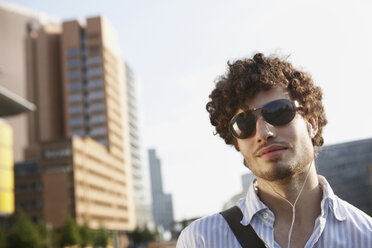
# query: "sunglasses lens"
{"type": "Point", "coordinates": [279, 112]}
{"type": "Point", "coordinates": [243, 125]}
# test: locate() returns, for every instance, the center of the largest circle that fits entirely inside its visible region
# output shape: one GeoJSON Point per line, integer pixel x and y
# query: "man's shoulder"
{"type": "Point", "coordinates": [209, 223]}
{"type": "Point", "coordinates": [204, 231]}
{"type": "Point", "coordinates": [354, 214]}
{"type": "Point", "coordinates": [345, 212]}
{"type": "Point", "coordinates": [353, 223]}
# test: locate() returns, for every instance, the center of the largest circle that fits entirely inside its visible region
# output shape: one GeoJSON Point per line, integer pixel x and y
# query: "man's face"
{"type": "Point", "coordinates": [277, 152]}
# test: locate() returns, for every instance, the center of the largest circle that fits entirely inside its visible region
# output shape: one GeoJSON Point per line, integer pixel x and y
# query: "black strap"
{"type": "Point", "coordinates": [246, 236]}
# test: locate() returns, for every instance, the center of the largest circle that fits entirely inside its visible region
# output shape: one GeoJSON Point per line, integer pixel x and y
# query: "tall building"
{"type": "Point", "coordinates": [348, 169]}
{"type": "Point", "coordinates": [79, 159]}
{"type": "Point", "coordinates": [95, 102]}
{"type": "Point", "coordinates": [15, 21]}
{"type": "Point", "coordinates": [162, 205]}
{"type": "Point", "coordinates": [140, 184]}
{"type": "Point", "coordinates": [246, 181]}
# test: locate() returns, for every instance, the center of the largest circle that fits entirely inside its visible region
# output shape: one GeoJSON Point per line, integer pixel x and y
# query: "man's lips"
{"type": "Point", "coordinates": [271, 150]}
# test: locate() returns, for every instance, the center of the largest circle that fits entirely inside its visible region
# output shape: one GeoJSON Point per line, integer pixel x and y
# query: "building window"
{"type": "Point", "coordinates": [28, 187]}
{"type": "Point", "coordinates": [26, 167]}
{"type": "Point", "coordinates": [77, 132]}
{"type": "Point", "coordinates": [96, 107]}
{"type": "Point", "coordinates": [98, 131]}
{"type": "Point", "coordinates": [95, 84]}
{"type": "Point", "coordinates": [75, 98]}
{"type": "Point", "coordinates": [84, 53]}
{"type": "Point", "coordinates": [73, 51]}
{"type": "Point", "coordinates": [75, 109]}
{"type": "Point", "coordinates": [83, 41]}
{"type": "Point", "coordinates": [58, 168]}
{"type": "Point", "coordinates": [74, 86]}
{"type": "Point", "coordinates": [98, 119]}
{"type": "Point", "coordinates": [93, 49]}
{"type": "Point", "coordinates": [73, 63]}
{"type": "Point", "coordinates": [96, 95]}
{"type": "Point", "coordinates": [28, 205]}
{"type": "Point", "coordinates": [94, 60]}
{"type": "Point", "coordinates": [95, 72]}
{"type": "Point", "coordinates": [76, 122]}
{"type": "Point", "coordinates": [74, 74]}
{"type": "Point", "coordinates": [102, 142]}
{"type": "Point", "coordinates": [57, 153]}
{"type": "Point", "coordinates": [93, 36]}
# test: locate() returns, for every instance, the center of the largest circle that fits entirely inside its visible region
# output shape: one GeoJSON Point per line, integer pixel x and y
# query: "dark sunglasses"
{"type": "Point", "coordinates": [276, 113]}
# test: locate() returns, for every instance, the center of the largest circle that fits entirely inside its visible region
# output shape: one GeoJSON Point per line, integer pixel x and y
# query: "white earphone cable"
{"type": "Point", "coordinates": [293, 206]}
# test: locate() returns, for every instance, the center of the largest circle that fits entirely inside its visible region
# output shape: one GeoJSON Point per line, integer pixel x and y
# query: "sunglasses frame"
{"type": "Point", "coordinates": [233, 126]}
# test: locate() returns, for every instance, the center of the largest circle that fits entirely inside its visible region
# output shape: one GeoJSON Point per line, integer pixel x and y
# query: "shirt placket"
{"type": "Point", "coordinates": [267, 217]}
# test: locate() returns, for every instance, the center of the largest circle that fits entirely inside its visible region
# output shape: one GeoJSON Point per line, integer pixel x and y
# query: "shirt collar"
{"type": "Point", "coordinates": [330, 200]}
{"type": "Point", "coordinates": [252, 204]}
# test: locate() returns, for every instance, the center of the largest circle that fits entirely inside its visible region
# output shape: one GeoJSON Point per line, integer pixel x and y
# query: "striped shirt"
{"type": "Point", "coordinates": [339, 225]}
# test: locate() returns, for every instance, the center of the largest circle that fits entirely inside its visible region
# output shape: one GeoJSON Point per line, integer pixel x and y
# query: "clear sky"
{"type": "Point", "coordinates": [178, 48]}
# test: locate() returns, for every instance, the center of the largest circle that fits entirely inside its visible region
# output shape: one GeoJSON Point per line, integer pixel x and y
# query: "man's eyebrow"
{"type": "Point", "coordinates": [247, 108]}
{"type": "Point", "coordinates": [244, 108]}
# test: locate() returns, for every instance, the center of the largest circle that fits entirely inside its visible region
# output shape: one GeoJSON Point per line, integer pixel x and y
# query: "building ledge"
{"type": "Point", "coordinates": [12, 104]}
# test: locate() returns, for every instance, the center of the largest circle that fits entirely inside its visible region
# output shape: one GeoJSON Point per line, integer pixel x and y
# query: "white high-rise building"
{"type": "Point", "coordinates": [140, 181]}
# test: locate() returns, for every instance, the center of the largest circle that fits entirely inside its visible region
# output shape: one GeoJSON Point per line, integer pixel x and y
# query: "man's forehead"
{"type": "Point", "coordinates": [265, 96]}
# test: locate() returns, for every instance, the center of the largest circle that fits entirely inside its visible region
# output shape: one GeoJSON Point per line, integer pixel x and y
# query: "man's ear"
{"type": "Point", "coordinates": [312, 126]}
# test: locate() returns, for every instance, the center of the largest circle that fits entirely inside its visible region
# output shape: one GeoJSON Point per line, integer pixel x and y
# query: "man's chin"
{"type": "Point", "coordinates": [277, 172]}
{"type": "Point", "coordinates": [273, 169]}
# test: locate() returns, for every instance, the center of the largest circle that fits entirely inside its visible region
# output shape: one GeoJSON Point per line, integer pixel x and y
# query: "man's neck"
{"type": "Point", "coordinates": [307, 206]}
{"type": "Point", "coordinates": [290, 189]}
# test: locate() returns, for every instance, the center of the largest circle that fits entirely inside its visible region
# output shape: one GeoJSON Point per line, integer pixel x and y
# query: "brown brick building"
{"type": "Point", "coordinates": [78, 162]}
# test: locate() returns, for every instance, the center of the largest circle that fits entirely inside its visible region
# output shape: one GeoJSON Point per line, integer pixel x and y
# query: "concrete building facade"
{"type": "Point", "coordinates": [348, 169]}
{"type": "Point", "coordinates": [75, 177]}
{"type": "Point", "coordinates": [15, 22]}
{"type": "Point", "coordinates": [10, 105]}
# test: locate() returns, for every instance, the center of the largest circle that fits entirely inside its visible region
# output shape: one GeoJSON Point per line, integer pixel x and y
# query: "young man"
{"type": "Point", "coordinates": [273, 114]}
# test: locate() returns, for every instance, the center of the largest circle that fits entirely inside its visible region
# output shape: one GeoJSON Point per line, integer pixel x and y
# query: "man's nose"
{"type": "Point", "coordinates": [264, 130]}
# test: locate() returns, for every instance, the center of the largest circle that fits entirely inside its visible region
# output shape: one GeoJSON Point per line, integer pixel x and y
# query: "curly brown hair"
{"type": "Point", "coordinates": [247, 77]}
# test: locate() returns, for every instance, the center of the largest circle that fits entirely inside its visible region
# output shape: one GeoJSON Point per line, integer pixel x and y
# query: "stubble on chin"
{"type": "Point", "coordinates": [278, 169]}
